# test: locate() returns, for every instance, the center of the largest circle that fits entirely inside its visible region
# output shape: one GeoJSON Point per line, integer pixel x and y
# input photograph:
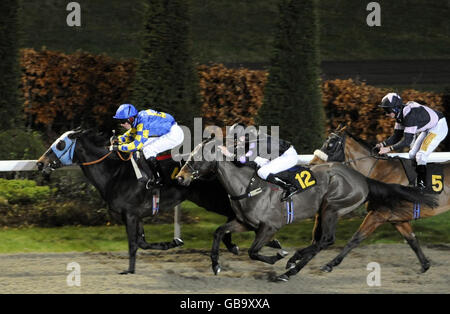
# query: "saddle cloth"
{"type": "Point", "coordinates": [435, 175]}
{"type": "Point", "coordinates": [299, 176]}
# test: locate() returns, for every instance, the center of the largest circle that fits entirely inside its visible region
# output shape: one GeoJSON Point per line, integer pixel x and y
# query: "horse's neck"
{"type": "Point", "coordinates": [235, 180]}
{"type": "Point", "coordinates": [359, 157]}
{"type": "Point", "coordinates": [99, 174]}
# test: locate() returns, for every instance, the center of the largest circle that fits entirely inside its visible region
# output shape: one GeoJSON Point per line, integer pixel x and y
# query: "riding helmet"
{"type": "Point", "coordinates": [125, 111]}
{"type": "Point", "coordinates": [392, 102]}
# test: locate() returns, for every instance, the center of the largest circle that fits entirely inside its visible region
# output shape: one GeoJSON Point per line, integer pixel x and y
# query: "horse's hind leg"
{"type": "Point", "coordinates": [229, 227]}
{"type": "Point", "coordinates": [155, 246]}
{"type": "Point", "coordinates": [372, 221]}
{"type": "Point", "coordinates": [263, 235]}
{"type": "Point", "coordinates": [131, 223]}
{"type": "Point", "coordinates": [316, 233]}
{"type": "Point", "coordinates": [324, 236]}
{"type": "Point", "coordinates": [406, 230]}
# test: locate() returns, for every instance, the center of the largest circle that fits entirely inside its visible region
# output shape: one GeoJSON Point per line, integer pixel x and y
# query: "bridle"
{"type": "Point", "coordinates": [55, 164]}
{"type": "Point", "coordinates": [104, 157]}
{"type": "Point", "coordinates": [340, 147]}
{"type": "Point", "coordinates": [195, 174]}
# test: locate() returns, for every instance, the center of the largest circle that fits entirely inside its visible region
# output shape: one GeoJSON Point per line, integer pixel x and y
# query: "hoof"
{"type": "Point", "coordinates": [216, 269]}
{"type": "Point", "coordinates": [425, 267]}
{"type": "Point", "coordinates": [327, 269]}
{"type": "Point", "coordinates": [178, 242]}
{"type": "Point", "coordinates": [282, 278]}
{"type": "Point", "coordinates": [282, 253]}
{"type": "Point", "coordinates": [234, 250]}
{"type": "Point", "coordinates": [126, 272]}
{"type": "Point", "coordinates": [290, 265]}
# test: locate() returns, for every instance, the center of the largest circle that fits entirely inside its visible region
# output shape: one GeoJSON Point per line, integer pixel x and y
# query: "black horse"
{"type": "Point", "coordinates": [113, 175]}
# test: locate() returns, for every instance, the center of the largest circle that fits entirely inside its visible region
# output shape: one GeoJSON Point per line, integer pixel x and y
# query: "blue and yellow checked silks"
{"type": "Point", "coordinates": [148, 123]}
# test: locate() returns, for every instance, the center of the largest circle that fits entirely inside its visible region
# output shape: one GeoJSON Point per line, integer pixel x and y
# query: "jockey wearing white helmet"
{"type": "Point", "coordinates": [412, 119]}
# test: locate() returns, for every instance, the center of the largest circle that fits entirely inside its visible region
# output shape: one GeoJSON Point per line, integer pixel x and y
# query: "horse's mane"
{"type": "Point", "coordinates": [95, 137]}
{"type": "Point", "coordinates": [360, 141]}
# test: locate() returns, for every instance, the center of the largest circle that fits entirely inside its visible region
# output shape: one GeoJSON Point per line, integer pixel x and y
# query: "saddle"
{"type": "Point", "coordinates": [300, 177]}
{"type": "Point", "coordinates": [434, 176]}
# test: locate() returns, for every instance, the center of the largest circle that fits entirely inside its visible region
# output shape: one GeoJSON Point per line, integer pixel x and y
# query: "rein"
{"type": "Point", "coordinates": [103, 158]}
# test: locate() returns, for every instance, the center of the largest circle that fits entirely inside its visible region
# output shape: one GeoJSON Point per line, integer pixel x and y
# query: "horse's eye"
{"type": "Point", "coordinates": [61, 145]}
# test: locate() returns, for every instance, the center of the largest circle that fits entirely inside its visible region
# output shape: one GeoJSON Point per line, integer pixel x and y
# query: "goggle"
{"type": "Point", "coordinates": [389, 110]}
{"type": "Point", "coordinates": [123, 121]}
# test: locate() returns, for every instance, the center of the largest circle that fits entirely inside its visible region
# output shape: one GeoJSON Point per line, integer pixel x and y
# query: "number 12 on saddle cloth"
{"type": "Point", "coordinates": [300, 176]}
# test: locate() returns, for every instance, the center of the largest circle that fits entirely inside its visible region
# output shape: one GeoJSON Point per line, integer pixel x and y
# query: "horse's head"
{"type": "Point", "coordinates": [201, 163]}
{"type": "Point", "coordinates": [60, 153]}
{"type": "Point", "coordinates": [332, 149]}
{"type": "Point", "coordinates": [70, 148]}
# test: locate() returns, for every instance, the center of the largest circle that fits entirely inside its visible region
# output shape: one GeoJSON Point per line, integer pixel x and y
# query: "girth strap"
{"type": "Point", "coordinates": [248, 192]}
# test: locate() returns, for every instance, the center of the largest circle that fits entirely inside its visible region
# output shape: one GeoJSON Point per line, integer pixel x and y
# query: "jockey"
{"type": "Point", "coordinates": [254, 141]}
{"type": "Point", "coordinates": [412, 119]}
{"type": "Point", "coordinates": [150, 131]}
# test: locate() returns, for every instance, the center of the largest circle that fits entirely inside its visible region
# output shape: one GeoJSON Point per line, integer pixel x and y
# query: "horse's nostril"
{"type": "Point", "coordinates": [180, 179]}
{"type": "Point", "coordinates": [40, 166]}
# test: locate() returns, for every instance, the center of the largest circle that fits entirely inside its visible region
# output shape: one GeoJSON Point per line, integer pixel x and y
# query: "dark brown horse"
{"type": "Point", "coordinates": [341, 146]}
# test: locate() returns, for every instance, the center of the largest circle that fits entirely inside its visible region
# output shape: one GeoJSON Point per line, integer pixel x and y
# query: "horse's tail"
{"type": "Point", "coordinates": [390, 195]}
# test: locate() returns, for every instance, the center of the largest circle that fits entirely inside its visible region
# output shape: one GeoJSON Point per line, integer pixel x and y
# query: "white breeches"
{"type": "Point", "coordinates": [156, 145]}
{"type": "Point", "coordinates": [284, 162]}
{"type": "Point", "coordinates": [427, 142]}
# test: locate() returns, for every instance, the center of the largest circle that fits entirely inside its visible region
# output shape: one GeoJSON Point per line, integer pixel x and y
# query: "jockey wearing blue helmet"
{"type": "Point", "coordinates": [148, 130]}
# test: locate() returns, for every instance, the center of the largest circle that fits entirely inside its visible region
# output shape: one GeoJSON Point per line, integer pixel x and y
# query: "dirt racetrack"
{"type": "Point", "coordinates": [188, 271]}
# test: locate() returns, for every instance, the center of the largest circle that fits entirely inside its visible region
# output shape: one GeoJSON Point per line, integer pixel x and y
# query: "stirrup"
{"type": "Point", "coordinates": [155, 181]}
{"type": "Point", "coordinates": [288, 194]}
{"type": "Point", "coordinates": [421, 185]}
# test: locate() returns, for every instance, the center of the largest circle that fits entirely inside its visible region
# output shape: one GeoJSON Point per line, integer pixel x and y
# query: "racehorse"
{"type": "Point", "coordinates": [333, 190]}
{"type": "Point", "coordinates": [127, 199]}
{"type": "Point", "coordinates": [341, 146]}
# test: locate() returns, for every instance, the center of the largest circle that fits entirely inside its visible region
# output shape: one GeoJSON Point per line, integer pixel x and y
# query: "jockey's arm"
{"type": "Point", "coordinates": [407, 140]}
{"type": "Point", "coordinates": [137, 142]}
{"type": "Point", "coordinates": [127, 137]}
{"type": "Point", "coordinates": [396, 137]}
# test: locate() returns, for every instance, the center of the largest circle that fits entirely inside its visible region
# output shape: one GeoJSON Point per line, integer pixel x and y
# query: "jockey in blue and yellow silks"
{"type": "Point", "coordinates": [150, 131]}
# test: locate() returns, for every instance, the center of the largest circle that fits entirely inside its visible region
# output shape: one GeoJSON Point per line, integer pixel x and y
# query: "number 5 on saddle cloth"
{"type": "Point", "coordinates": [434, 175]}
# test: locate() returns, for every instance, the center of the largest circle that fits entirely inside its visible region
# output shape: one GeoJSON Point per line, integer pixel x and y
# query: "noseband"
{"type": "Point", "coordinates": [194, 173]}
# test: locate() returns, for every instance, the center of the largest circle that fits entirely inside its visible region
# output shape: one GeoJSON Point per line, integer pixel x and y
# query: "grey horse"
{"type": "Point", "coordinates": [334, 190]}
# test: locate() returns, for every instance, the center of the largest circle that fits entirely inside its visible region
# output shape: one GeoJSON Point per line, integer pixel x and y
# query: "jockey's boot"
{"type": "Point", "coordinates": [288, 188]}
{"type": "Point", "coordinates": [421, 181]}
{"type": "Point", "coordinates": [157, 181]}
{"type": "Point", "coordinates": [145, 170]}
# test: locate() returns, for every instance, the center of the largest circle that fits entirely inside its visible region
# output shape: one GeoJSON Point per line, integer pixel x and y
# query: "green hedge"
{"type": "Point", "coordinates": [23, 191]}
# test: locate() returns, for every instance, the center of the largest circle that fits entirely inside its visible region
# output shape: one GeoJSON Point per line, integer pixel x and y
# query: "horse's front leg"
{"type": "Point", "coordinates": [176, 242]}
{"type": "Point", "coordinates": [228, 228]}
{"type": "Point", "coordinates": [263, 236]}
{"type": "Point", "coordinates": [231, 247]}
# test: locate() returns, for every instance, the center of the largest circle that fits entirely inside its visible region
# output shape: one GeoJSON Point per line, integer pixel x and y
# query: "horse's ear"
{"type": "Point", "coordinates": [75, 133]}
{"type": "Point", "coordinates": [213, 132]}
{"type": "Point", "coordinates": [341, 127]}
